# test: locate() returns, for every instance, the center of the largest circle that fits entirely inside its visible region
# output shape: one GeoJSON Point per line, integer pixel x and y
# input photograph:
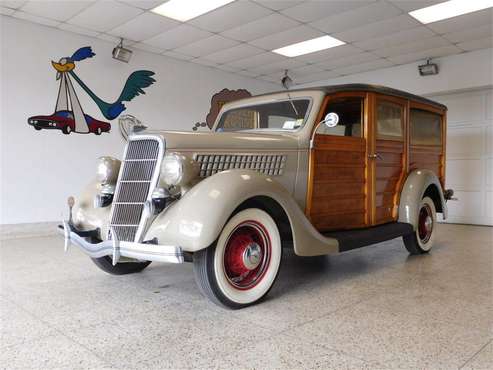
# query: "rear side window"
{"type": "Point", "coordinates": [389, 121]}
{"type": "Point", "coordinates": [426, 128]}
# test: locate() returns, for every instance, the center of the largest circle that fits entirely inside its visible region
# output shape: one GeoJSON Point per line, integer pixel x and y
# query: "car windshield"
{"type": "Point", "coordinates": [64, 114]}
{"type": "Point", "coordinates": [280, 115]}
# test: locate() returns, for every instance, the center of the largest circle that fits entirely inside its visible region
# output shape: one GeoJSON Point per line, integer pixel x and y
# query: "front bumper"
{"type": "Point", "coordinates": [116, 248]}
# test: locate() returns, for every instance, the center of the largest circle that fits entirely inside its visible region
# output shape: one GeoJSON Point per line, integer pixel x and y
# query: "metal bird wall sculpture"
{"type": "Point", "coordinates": [136, 82]}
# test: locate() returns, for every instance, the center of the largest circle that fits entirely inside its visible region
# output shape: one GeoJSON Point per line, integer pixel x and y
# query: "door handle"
{"type": "Point", "coordinates": [374, 156]}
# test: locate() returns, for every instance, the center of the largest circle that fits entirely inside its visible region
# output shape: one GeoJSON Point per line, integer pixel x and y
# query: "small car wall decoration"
{"type": "Point", "coordinates": [69, 115]}
{"type": "Point", "coordinates": [321, 170]}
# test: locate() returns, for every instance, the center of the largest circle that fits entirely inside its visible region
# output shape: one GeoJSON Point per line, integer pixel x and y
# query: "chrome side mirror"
{"type": "Point", "coordinates": [330, 120]}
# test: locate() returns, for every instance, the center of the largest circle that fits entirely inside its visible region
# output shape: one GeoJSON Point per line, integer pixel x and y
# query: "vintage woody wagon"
{"type": "Point", "coordinates": [322, 171]}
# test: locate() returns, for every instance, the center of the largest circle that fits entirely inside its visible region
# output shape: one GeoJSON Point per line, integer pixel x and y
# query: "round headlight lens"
{"type": "Point", "coordinates": [172, 169]}
{"type": "Point", "coordinates": [108, 169]}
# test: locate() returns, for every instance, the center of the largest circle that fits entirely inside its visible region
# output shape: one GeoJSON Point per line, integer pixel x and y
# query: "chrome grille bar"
{"type": "Point", "coordinates": [138, 177]}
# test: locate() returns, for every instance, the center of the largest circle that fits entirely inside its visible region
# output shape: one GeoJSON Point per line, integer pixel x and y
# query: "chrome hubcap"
{"type": "Point", "coordinates": [252, 256]}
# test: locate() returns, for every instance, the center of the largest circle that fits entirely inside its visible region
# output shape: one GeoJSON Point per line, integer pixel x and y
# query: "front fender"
{"type": "Point", "coordinates": [413, 191]}
{"type": "Point", "coordinates": [86, 216]}
{"type": "Point", "coordinates": [195, 221]}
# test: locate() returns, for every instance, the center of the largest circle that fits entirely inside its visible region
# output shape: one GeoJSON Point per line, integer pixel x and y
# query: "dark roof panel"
{"type": "Point", "coordinates": [371, 88]}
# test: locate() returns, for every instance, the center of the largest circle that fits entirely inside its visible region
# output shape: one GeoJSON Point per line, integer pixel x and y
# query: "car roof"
{"type": "Point", "coordinates": [330, 89]}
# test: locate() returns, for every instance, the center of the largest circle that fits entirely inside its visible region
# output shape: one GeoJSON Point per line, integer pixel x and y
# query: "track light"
{"type": "Point", "coordinates": [428, 69]}
{"type": "Point", "coordinates": [122, 54]}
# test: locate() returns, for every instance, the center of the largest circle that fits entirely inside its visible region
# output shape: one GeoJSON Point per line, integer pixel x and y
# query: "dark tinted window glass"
{"type": "Point", "coordinates": [389, 121]}
{"type": "Point", "coordinates": [350, 112]}
{"type": "Point", "coordinates": [426, 128]}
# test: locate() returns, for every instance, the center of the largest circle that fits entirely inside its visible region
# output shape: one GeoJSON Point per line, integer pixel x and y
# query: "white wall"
{"type": "Point", "coordinates": [39, 169]}
{"type": "Point", "coordinates": [457, 72]}
{"type": "Point", "coordinates": [469, 169]}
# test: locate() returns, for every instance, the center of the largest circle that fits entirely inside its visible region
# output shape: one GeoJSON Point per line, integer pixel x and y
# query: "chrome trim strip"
{"type": "Point", "coordinates": [117, 249]}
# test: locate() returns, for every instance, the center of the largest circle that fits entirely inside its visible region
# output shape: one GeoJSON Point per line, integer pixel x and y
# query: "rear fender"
{"type": "Point", "coordinates": [417, 182]}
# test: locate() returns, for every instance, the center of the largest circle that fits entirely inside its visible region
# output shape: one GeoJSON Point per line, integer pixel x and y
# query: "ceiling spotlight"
{"type": "Point", "coordinates": [428, 69]}
{"type": "Point", "coordinates": [286, 81]}
{"type": "Point", "coordinates": [122, 54]}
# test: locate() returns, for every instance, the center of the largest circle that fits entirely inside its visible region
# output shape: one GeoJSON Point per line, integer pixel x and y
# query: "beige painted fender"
{"type": "Point", "coordinates": [414, 188]}
{"type": "Point", "coordinates": [195, 221]}
{"type": "Point", "coordinates": [85, 216]}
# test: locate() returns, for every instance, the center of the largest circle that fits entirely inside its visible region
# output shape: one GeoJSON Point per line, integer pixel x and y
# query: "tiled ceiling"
{"type": "Point", "coordinates": [239, 36]}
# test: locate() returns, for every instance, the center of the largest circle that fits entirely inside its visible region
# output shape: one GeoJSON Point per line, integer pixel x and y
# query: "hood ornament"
{"type": "Point", "coordinates": [129, 124]}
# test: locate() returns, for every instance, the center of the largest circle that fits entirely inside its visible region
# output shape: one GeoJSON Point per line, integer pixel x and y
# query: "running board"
{"type": "Point", "coordinates": [353, 239]}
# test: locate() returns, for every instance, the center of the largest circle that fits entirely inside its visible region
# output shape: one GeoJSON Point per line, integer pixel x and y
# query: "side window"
{"type": "Point", "coordinates": [389, 121]}
{"type": "Point", "coordinates": [426, 128]}
{"type": "Point", "coordinates": [350, 113]}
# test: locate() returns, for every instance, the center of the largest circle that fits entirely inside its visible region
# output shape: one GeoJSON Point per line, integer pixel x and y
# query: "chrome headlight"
{"type": "Point", "coordinates": [172, 169]}
{"type": "Point", "coordinates": [177, 169]}
{"type": "Point", "coordinates": [108, 169]}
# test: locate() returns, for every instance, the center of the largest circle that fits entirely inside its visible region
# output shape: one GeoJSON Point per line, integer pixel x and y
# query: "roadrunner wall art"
{"type": "Point", "coordinates": [69, 116]}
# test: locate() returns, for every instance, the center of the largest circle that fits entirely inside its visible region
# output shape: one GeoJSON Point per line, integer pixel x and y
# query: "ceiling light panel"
{"type": "Point", "coordinates": [309, 46]}
{"type": "Point", "coordinates": [449, 9]}
{"type": "Point", "coordinates": [184, 10]}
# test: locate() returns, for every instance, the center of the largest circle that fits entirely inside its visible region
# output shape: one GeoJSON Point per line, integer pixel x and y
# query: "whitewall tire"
{"type": "Point", "coordinates": [241, 267]}
{"type": "Point", "coordinates": [422, 239]}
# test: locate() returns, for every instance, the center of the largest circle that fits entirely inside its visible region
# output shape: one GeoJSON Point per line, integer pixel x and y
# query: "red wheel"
{"type": "Point", "coordinates": [425, 223]}
{"type": "Point", "coordinates": [421, 240]}
{"type": "Point", "coordinates": [242, 266]}
{"type": "Point", "coordinates": [247, 255]}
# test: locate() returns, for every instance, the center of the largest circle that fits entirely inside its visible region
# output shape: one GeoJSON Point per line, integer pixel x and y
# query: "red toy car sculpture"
{"type": "Point", "coordinates": [64, 121]}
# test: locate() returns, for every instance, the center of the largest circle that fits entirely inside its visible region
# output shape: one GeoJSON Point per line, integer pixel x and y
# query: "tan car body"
{"type": "Point", "coordinates": [195, 220]}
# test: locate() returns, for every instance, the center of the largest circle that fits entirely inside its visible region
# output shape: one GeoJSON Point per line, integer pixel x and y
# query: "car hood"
{"type": "Point", "coordinates": [191, 141]}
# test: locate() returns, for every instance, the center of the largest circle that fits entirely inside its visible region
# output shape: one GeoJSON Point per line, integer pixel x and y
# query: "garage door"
{"type": "Point", "coordinates": [469, 169]}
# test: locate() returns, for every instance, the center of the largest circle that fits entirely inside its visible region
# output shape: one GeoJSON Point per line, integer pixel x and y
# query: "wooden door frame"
{"type": "Point", "coordinates": [404, 103]}
{"type": "Point", "coordinates": [365, 129]}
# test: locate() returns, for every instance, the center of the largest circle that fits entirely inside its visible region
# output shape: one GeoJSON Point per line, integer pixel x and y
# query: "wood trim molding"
{"type": "Point", "coordinates": [369, 134]}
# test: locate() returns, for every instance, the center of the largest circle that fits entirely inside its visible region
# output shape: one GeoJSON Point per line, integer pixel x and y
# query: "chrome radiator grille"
{"type": "Point", "coordinates": [138, 176]}
{"type": "Point", "coordinates": [268, 164]}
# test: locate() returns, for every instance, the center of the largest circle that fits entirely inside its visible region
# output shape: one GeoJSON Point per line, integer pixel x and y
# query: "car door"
{"type": "Point", "coordinates": [387, 157]}
{"type": "Point", "coordinates": [337, 182]}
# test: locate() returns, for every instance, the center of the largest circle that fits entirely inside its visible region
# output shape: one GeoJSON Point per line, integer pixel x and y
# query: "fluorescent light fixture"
{"type": "Point", "coordinates": [184, 10]}
{"type": "Point", "coordinates": [449, 9]}
{"type": "Point", "coordinates": [309, 46]}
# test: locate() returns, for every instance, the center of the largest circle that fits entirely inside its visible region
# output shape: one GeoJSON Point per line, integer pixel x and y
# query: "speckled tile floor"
{"type": "Point", "coordinates": [375, 307]}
